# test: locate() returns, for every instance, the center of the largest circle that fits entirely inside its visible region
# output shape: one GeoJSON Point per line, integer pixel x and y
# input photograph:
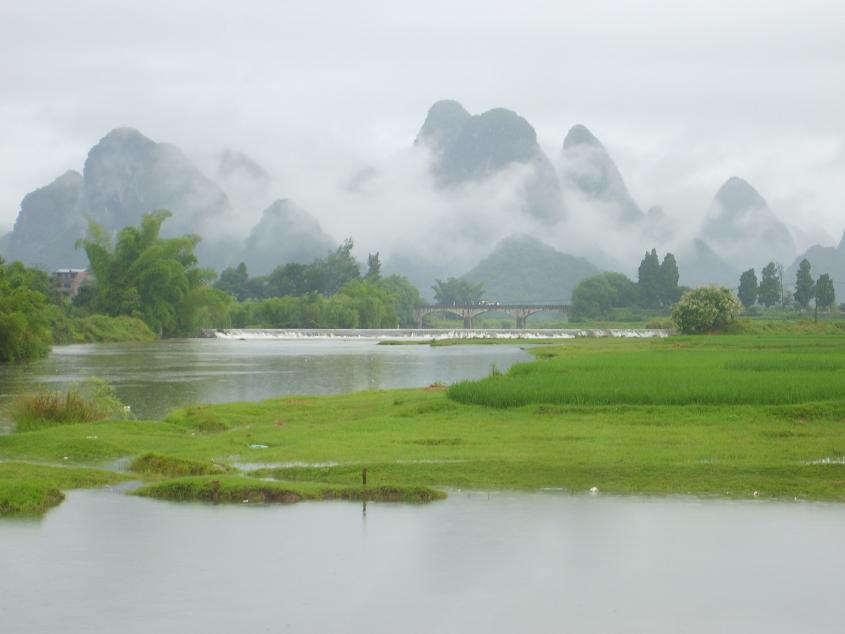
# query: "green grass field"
{"type": "Point", "coordinates": [710, 415]}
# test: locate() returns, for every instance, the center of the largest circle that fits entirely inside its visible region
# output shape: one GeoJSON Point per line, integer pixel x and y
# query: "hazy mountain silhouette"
{"type": "Point", "coordinates": [589, 169]}
{"type": "Point", "coordinates": [524, 269]}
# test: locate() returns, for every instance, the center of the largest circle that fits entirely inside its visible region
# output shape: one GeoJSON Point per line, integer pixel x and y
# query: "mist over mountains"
{"type": "Point", "coordinates": [473, 194]}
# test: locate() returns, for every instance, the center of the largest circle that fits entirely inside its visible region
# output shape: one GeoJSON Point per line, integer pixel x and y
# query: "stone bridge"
{"type": "Point", "coordinates": [520, 312]}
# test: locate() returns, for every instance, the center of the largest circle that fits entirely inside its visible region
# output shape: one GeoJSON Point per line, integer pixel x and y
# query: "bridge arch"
{"type": "Point", "coordinates": [520, 312]}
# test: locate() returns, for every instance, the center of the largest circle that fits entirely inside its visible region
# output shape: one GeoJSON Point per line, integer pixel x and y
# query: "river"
{"type": "Point", "coordinates": [104, 562]}
{"type": "Point", "coordinates": [153, 378]}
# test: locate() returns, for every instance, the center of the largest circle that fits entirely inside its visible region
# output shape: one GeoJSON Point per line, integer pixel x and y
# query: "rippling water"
{"type": "Point", "coordinates": [155, 377]}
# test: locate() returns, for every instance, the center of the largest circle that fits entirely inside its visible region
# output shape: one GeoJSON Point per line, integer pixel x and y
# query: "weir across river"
{"type": "Point", "coordinates": [520, 312]}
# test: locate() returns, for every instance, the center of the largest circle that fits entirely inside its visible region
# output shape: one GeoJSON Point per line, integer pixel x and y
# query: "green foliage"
{"type": "Point", "coordinates": [805, 287]}
{"type": "Point", "coordinates": [233, 280]}
{"type": "Point", "coordinates": [457, 292]}
{"type": "Point", "coordinates": [373, 267]}
{"type": "Point", "coordinates": [669, 276]}
{"type": "Point", "coordinates": [769, 291]}
{"type": "Point", "coordinates": [825, 294]}
{"type": "Point", "coordinates": [25, 313]}
{"type": "Point", "coordinates": [748, 288]}
{"type": "Point", "coordinates": [152, 278]}
{"type": "Point", "coordinates": [89, 401]}
{"type": "Point", "coordinates": [648, 279]}
{"type": "Point", "coordinates": [595, 297]}
{"type": "Point", "coordinates": [658, 282]}
{"type": "Point", "coordinates": [405, 298]}
{"type": "Point", "coordinates": [705, 309]}
{"type": "Point", "coordinates": [100, 328]}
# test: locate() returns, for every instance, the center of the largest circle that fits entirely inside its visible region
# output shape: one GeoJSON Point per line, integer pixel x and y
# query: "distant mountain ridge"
{"type": "Point", "coordinates": [590, 170]}
{"type": "Point", "coordinates": [127, 175]}
{"type": "Point", "coordinates": [743, 230]}
{"type": "Point", "coordinates": [285, 233]}
{"type": "Point", "coordinates": [475, 147]}
{"type": "Point", "coordinates": [523, 269]}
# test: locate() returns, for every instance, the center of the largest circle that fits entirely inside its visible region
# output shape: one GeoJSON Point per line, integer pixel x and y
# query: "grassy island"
{"type": "Point", "coordinates": [738, 416]}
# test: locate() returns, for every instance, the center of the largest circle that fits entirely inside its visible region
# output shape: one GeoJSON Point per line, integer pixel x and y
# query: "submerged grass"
{"type": "Point", "coordinates": [235, 489]}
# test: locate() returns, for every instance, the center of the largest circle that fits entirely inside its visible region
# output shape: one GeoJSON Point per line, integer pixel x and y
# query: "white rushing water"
{"type": "Point", "coordinates": [430, 334]}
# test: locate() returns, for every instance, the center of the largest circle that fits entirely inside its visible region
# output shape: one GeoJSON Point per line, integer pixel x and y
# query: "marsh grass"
{"type": "Point", "coordinates": [239, 489]}
{"type": "Point", "coordinates": [89, 401]}
{"type": "Point", "coordinates": [151, 463]}
{"type": "Point", "coordinates": [29, 489]}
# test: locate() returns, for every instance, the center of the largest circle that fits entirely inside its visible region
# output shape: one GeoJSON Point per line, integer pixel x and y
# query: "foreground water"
{"type": "Point", "coordinates": [156, 377]}
{"type": "Point", "coordinates": [105, 562]}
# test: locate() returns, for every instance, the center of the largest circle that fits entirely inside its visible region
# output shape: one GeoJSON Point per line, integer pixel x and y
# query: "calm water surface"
{"type": "Point", "coordinates": [156, 377]}
{"type": "Point", "coordinates": [103, 562]}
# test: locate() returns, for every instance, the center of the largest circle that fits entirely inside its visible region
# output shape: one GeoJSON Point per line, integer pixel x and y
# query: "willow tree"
{"type": "Point", "coordinates": [156, 279]}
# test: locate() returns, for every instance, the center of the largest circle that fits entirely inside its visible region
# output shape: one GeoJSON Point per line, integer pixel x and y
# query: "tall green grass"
{"type": "Point", "coordinates": [89, 401]}
{"type": "Point", "coordinates": [668, 376]}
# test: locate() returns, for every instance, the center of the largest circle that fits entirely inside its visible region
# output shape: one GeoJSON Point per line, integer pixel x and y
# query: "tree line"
{"type": "Point", "coordinates": [600, 296]}
{"type": "Point", "coordinates": [770, 290]}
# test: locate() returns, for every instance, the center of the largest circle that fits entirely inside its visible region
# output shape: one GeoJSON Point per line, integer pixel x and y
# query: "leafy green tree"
{"type": "Point", "coordinates": [748, 288]}
{"type": "Point", "coordinates": [825, 294]}
{"type": "Point", "coordinates": [705, 309]}
{"type": "Point", "coordinates": [648, 280]}
{"type": "Point", "coordinates": [290, 279]}
{"type": "Point", "coordinates": [669, 292]}
{"type": "Point", "coordinates": [405, 296]}
{"type": "Point", "coordinates": [24, 315]}
{"type": "Point", "coordinates": [457, 292]}
{"type": "Point", "coordinates": [328, 276]}
{"type": "Point", "coordinates": [597, 296]}
{"type": "Point", "coordinates": [373, 303]}
{"type": "Point", "coordinates": [769, 291]}
{"type": "Point", "coordinates": [146, 276]}
{"type": "Point", "coordinates": [233, 280]}
{"type": "Point", "coordinates": [805, 287]}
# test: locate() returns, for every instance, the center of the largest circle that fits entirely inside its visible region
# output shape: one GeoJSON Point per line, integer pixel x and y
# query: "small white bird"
{"type": "Point", "coordinates": [594, 490]}
{"type": "Point", "coordinates": [756, 494]}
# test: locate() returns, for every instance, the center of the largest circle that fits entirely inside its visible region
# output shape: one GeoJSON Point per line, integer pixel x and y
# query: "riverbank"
{"type": "Point", "coordinates": [731, 416]}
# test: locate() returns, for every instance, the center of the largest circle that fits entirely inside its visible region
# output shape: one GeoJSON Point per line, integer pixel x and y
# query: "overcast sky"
{"type": "Point", "coordinates": [683, 93]}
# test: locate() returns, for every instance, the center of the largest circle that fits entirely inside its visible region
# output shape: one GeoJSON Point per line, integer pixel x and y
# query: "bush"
{"type": "Point", "coordinates": [92, 400]}
{"type": "Point", "coordinates": [705, 309]}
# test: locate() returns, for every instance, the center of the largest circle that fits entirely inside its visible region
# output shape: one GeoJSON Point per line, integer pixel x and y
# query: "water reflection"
{"type": "Point", "coordinates": [104, 562]}
{"type": "Point", "coordinates": [156, 377]}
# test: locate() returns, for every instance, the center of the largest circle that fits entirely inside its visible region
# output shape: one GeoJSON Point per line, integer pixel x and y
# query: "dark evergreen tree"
{"type": "Point", "coordinates": [769, 291]}
{"type": "Point", "coordinates": [748, 288]}
{"type": "Point", "coordinates": [805, 288]}
{"type": "Point", "coordinates": [648, 280]}
{"type": "Point", "coordinates": [825, 295]}
{"type": "Point", "coordinates": [669, 292]}
{"type": "Point", "coordinates": [373, 267]}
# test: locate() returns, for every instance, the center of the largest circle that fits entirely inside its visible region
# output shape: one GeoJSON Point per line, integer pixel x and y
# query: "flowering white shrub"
{"type": "Point", "coordinates": [705, 309]}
